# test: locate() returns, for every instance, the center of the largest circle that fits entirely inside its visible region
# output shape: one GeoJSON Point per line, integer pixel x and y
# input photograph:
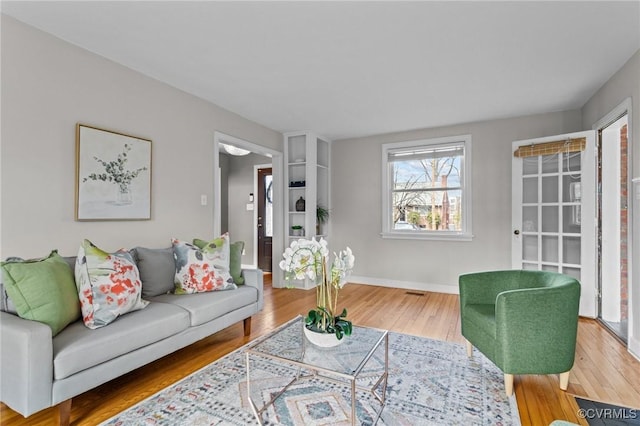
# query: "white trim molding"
{"type": "Point", "coordinates": [407, 285]}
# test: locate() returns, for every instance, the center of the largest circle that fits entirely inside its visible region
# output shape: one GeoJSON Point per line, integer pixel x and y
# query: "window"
{"type": "Point", "coordinates": [426, 188]}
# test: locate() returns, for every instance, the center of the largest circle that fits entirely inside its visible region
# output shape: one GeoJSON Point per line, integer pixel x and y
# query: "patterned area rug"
{"type": "Point", "coordinates": [430, 383]}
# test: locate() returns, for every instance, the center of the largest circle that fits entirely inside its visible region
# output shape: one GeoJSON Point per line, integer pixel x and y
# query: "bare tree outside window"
{"type": "Point", "coordinates": [427, 187]}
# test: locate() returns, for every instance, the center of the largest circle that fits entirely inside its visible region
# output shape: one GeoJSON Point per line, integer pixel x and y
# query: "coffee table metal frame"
{"type": "Point", "coordinates": [326, 373]}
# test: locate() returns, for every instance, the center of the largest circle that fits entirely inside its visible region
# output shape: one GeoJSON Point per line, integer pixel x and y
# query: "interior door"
{"type": "Point", "coordinates": [554, 209]}
{"type": "Point", "coordinates": [265, 219]}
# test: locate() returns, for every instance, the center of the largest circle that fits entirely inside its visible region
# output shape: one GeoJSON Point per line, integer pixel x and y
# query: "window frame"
{"type": "Point", "coordinates": [465, 234]}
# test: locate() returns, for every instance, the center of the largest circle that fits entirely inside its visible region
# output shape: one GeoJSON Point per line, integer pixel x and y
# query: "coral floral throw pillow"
{"type": "Point", "coordinates": [204, 270]}
{"type": "Point", "coordinates": [108, 285]}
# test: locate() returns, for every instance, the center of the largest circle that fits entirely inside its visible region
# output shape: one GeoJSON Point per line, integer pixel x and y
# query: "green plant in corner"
{"type": "Point", "coordinates": [322, 214]}
{"type": "Point", "coordinates": [309, 259]}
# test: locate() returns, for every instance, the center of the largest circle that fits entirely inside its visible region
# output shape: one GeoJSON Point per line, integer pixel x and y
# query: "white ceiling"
{"type": "Point", "coordinates": [348, 69]}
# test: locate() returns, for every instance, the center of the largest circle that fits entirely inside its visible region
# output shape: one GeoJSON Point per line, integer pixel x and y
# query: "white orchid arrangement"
{"type": "Point", "coordinates": [308, 259]}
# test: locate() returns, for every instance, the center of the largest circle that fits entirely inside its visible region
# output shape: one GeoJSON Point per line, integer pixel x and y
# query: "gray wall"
{"type": "Point", "coordinates": [624, 84]}
{"type": "Point", "coordinates": [432, 265]}
{"type": "Point", "coordinates": [48, 86]}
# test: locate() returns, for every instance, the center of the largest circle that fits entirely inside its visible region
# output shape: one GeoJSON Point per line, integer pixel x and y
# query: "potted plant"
{"type": "Point", "coordinates": [309, 259]}
{"type": "Point", "coordinates": [322, 215]}
{"type": "Point", "coordinates": [296, 230]}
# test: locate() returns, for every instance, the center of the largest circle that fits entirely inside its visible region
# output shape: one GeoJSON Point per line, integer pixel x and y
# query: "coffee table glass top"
{"type": "Point", "coordinates": [348, 358]}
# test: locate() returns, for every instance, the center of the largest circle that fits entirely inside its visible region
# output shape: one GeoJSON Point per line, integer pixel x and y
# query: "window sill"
{"type": "Point", "coordinates": [433, 236]}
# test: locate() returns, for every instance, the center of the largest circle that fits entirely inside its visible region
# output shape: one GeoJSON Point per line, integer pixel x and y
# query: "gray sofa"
{"type": "Point", "coordinates": [38, 371]}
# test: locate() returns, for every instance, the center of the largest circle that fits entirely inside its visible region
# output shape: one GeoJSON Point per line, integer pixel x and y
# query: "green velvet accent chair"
{"type": "Point", "coordinates": [524, 321]}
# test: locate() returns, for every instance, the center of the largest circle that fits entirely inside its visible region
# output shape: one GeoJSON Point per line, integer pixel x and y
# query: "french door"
{"type": "Point", "coordinates": [554, 209]}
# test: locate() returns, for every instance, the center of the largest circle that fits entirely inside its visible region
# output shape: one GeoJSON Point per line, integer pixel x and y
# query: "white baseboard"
{"type": "Point", "coordinates": [408, 285]}
{"type": "Point", "coordinates": [634, 347]}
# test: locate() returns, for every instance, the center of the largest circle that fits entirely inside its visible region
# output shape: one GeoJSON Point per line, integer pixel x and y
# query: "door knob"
{"type": "Point", "coordinates": [516, 232]}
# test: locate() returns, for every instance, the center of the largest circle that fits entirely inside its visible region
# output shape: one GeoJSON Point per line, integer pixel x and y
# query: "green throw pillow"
{"type": "Point", "coordinates": [43, 290]}
{"type": "Point", "coordinates": [235, 258]}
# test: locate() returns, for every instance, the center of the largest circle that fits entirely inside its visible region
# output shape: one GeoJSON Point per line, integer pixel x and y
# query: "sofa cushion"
{"type": "Point", "coordinates": [202, 270]}
{"type": "Point", "coordinates": [204, 307]}
{"type": "Point", "coordinates": [108, 285]}
{"type": "Point", "coordinates": [42, 290]}
{"type": "Point", "coordinates": [77, 348]}
{"type": "Point", "coordinates": [157, 270]}
{"type": "Point", "coordinates": [235, 258]}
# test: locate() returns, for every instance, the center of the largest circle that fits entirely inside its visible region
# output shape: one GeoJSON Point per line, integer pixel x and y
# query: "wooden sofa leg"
{"type": "Point", "coordinates": [469, 349]}
{"type": "Point", "coordinates": [247, 326]}
{"type": "Point", "coordinates": [508, 384]}
{"type": "Point", "coordinates": [64, 412]}
{"type": "Point", "coordinates": [564, 380]}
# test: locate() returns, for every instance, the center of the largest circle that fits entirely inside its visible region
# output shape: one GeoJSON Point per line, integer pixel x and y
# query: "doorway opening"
{"type": "Point", "coordinates": [613, 225]}
{"type": "Point", "coordinates": [264, 219]}
{"type": "Point", "coordinates": [236, 195]}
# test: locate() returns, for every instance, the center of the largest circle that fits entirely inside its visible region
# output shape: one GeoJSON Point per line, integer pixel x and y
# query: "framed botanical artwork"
{"type": "Point", "coordinates": [113, 175]}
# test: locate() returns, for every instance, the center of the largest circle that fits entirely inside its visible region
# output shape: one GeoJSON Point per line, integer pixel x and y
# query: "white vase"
{"type": "Point", "coordinates": [323, 340]}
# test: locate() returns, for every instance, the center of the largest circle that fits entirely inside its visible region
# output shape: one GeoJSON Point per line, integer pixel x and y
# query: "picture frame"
{"type": "Point", "coordinates": [113, 175]}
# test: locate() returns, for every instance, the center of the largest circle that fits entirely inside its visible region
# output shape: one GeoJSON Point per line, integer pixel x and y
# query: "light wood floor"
{"type": "Point", "coordinates": [603, 370]}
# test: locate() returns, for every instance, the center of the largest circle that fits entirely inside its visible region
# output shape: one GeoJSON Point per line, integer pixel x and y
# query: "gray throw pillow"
{"type": "Point", "coordinates": [157, 270]}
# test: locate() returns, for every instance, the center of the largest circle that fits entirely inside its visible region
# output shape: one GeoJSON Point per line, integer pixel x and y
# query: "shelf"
{"type": "Point", "coordinates": [313, 172]}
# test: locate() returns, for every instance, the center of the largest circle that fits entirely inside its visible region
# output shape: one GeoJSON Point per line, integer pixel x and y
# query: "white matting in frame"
{"type": "Point", "coordinates": [113, 175]}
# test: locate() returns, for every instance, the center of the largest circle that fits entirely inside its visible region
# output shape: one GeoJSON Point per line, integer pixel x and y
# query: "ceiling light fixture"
{"type": "Point", "coordinates": [234, 150]}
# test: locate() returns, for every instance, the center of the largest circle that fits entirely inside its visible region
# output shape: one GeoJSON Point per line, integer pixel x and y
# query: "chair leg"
{"type": "Point", "coordinates": [508, 384]}
{"type": "Point", "coordinates": [564, 380]}
{"type": "Point", "coordinates": [469, 349]}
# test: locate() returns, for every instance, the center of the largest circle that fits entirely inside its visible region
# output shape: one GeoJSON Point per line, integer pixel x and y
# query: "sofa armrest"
{"type": "Point", "coordinates": [482, 288]}
{"type": "Point", "coordinates": [536, 328]}
{"type": "Point", "coordinates": [26, 364]}
{"type": "Point", "coordinates": [254, 278]}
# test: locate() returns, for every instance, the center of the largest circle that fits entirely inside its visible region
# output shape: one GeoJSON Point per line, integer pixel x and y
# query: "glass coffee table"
{"type": "Point", "coordinates": [363, 357]}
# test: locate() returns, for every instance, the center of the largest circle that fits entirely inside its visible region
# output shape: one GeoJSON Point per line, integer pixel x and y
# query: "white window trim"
{"type": "Point", "coordinates": [466, 233]}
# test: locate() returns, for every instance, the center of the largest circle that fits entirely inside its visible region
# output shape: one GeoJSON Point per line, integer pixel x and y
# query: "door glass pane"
{"type": "Point", "coordinates": [571, 162]}
{"type": "Point", "coordinates": [549, 248]}
{"type": "Point", "coordinates": [550, 189]}
{"type": "Point", "coordinates": [268, 206]}
{"type": "Point", "coordinates": [550, 219]}
{"type": "Point", "coordinates": [550, 163]}
{"type": "Point", "coordinates": [530, 247]}
{"type": "Point", "coordinates": [571, 219]}
{"type": "Point", "coordinates": [530, 190]}
{"type": "Point", "coordinates": [530, 219]}
{"type": "Point", "coordinates": [531, 266]}
{"type": "Point", "coordinates": [571, 189]}
{"type": "Point", "coordinates": [571, 250]}
{"type": "Point", "coordinates": [574, 272]}
{"type": "Point", "coordinates": [551, 268]}
{"type": "Point", "coordinates": [530, 165]}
